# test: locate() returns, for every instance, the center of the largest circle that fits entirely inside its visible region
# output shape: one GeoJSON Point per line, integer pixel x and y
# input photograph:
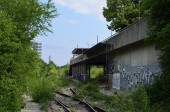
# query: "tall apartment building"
{"type": "Point", "coordinates": [37, 46]}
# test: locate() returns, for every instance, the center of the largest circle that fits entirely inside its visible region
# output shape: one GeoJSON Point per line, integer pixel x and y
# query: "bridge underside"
{"type": "Point", "coordinates": [81, 71]}
{"type": "Point", "coordinates": [127, 60]}
{"type": "Point", "coordinates": [99, 60]}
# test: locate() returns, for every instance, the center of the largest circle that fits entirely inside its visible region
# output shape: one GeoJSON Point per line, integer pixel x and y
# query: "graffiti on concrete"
{"type": "Point", "coordinates": [111, 66]}
{"type": "Point", "coordinates": [116, 81]}
{"type": "Point", "coordinates": [134, 76]}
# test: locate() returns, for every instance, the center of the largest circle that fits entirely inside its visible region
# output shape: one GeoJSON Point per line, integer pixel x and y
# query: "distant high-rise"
{"type": "Point", "coordinates": [37, 46]}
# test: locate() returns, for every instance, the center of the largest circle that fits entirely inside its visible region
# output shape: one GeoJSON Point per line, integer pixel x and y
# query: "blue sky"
{"type": "Point", "coordinates": [79, 22]}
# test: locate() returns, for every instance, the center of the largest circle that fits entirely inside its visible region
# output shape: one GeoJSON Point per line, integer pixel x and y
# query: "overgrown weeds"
{"type": "Point", "coordinates": [134, 101]}
{"type": "Point", "coordinates": [90, 88]}
{"type": "Point", "coordinates": [40, 88]}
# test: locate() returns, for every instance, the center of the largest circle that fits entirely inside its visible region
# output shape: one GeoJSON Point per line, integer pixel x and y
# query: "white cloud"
{"type": "Point", "coordinates": [90, 7]}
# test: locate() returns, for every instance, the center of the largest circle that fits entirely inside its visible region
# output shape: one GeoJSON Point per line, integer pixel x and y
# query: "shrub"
{"type": "Point", "coordinates": [140, 100]}
{"type": "Point", "coordinates": [10, 99]}
{"type": "Point", "coordinates": [59, 81]}
{"type": "Point", "coordinates": [41, 90]}
{"type": "Point", "coordinates": [91, 87]}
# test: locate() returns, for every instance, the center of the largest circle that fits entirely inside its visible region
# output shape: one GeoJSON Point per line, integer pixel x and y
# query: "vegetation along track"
{"type": "Point", "coordinates": [97, 108]}
{"type": "Point", "coordinates": [68, 104]}
{"type": "Point", "coordinates": [93, 107]}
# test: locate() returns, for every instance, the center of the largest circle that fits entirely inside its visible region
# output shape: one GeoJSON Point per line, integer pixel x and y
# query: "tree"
{"type": "Point", "coordinates": [8, 84]}
{"type": "Point", "coordinates": [96, 71]}
{"type": "Point", "coordinates": [29, 16]}
{"type": "Point", "coordinates": [21, 21]}
{"type": "Point", "coordinates": [121, 13]}
{"type": "Point", "coordinates": [159, 31]}
{"type": "Point", "coordinates": [52, 68]}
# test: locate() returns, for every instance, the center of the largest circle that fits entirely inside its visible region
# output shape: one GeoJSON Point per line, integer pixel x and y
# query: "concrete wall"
{"type": "Point", "coordinates": [136, 65]}
{"type": "Point", "coordinates": [79, 58]}
{"type": "Point", "coordinates": [79, 71]}
{"type": "Point", "coordinates": [131, 34]}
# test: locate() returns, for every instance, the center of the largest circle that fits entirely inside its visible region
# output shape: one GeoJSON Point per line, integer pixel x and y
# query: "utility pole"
{"type": "Point", "coordinates": [49, 58]}
{"type": "Point", "coordinates": [48, 73]}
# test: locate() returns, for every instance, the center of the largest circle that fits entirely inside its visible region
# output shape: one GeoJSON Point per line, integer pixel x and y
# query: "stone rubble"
{"type": "Point", "coordinates": [30, 106]}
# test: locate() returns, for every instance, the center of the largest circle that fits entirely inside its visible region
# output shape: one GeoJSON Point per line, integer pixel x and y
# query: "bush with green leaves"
{"type": "Point", "coordinates": [41, 90]}
{"type": "Point", "coordinates": [158, 19]}
{"type": "Point", "coordinates": [134, 101]}
{"type": "Point", "coordinates": [17, 59]}
{"type": "Point", "coordinates": [96, 71]}
{"type": "Point", "coordinates": [10, 100]}
{"type": "Point", "coordinates": [89, 88]}
{"type": "Point", "coordinates": [140, 100]}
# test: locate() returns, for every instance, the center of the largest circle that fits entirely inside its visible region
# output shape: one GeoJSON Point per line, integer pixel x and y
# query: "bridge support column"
{"type": "Point", "coordinates": [83, 71]}
{"type": "Point", "coordinates": [104, 69]}
{"type": "Point", "coordinates": [88, 71]}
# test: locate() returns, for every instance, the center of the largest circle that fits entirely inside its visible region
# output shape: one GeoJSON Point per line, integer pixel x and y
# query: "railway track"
{"type": "Point", "coordinates": [93, 107]}
{"type": "Point", "coordinates": [68, 104]}
{"type": "Point", "coordinates": [63, 105]}
{"type": "Point", "coordinates": [98, 109]}
{"type": "Point", "coordinates": [77, 104]}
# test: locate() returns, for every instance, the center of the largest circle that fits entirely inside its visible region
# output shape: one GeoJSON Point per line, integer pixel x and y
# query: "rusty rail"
{"type": "Point", "coordinates": [62, 104]}
{"type": "Point", "coordinates": [92, 107]}
{"type": "Point", "coordinates": [73, 91]}
{"type": "Point", "coordinates": [62, 94]}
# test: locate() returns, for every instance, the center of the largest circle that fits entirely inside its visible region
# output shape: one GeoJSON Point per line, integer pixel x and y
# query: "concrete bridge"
{"type": "Point", "coordinates": [126, 58]}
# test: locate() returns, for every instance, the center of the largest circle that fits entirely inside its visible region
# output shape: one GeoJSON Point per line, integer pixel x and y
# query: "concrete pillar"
{"type": "Point", "coordinates": [72, 70]}
{"type": "Point", "coordinates": [104, 69]}
{"type": "Point", "coordinates": [88, 71]}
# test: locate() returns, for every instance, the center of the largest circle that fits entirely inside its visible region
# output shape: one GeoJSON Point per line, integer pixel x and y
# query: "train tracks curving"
{"type": "Point", "coordinates": [68, 104]}
{"type": "Point", "coordinates": [93, 107]}
{"type": "Point", "coordinates": [77, 105]}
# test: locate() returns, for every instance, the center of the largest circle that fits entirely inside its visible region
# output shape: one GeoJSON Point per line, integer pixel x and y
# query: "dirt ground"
{"type": "Point", "coordinates": [30, 106]}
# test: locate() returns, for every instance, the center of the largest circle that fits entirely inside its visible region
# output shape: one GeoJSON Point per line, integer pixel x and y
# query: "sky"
{"type": "Point", "coordinates": [79, 23]}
